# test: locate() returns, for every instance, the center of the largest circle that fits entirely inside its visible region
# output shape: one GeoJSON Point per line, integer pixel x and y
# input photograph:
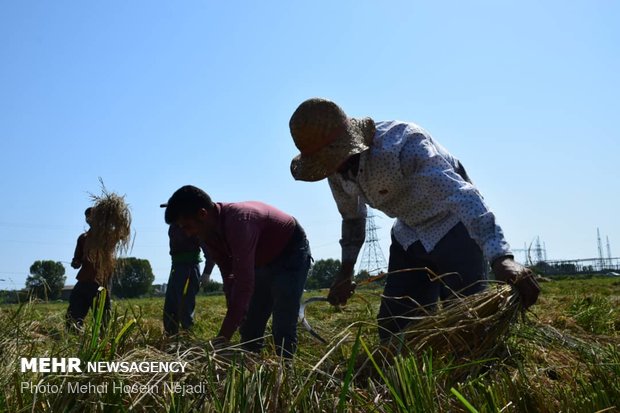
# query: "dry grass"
{"type": "Point", "coordinates": [535, 368]}
{"type": "Point", "coordinates": [110, 232]}
{"type": "Point", "coordinates": [468, 328]}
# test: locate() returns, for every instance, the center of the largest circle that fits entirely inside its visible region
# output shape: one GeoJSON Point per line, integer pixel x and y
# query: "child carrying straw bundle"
{"type": "Point", "coordinates": [95, 254]}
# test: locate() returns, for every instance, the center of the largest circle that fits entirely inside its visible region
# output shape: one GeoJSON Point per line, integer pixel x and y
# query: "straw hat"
{"type": "Point", "coordinates": [326, 138]}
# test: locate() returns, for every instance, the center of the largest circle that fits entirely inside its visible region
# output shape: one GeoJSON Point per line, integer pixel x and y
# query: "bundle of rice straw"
{"type": "Point", "coordinates": [468, 328]}
{"type": "Point", "coordinates": [109, 234]}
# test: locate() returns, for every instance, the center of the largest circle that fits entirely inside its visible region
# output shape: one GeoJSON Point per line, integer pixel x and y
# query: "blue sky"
{"type": "Point", "coordinates": [153, 95]}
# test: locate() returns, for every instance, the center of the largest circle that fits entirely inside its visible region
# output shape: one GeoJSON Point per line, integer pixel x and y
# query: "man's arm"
{"type": "Point", "coordinates": [208, 267]}
{"type": "Point", "coordinates": [353, 212]}
{"type": "Point", "coordinates": [464, 200]}
{"type": "Point", "coordinates": [76, 262]}
{"type": "Point", "coordinates": [242, 237]}
{"type": "Point", "coordinates": [353, 236]}
{"type": "Point", "coordinates": [455, 163]}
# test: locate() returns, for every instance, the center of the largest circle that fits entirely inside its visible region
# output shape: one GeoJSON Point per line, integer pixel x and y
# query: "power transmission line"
{"type": "Point", "coordinates": [373, 260]}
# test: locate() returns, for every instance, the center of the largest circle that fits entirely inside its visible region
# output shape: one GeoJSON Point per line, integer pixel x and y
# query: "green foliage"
{"type": "Point", "coordinates": [594, 314]}
{"type": "Point", "coordinates": [46, 279]}
{"type": "Point", "coordinates": [463, 400]}
{"type": "Point", "coordinates": [133, 277]}
{"type": "Point", "coordinates": [12, 297]}
{"type": "Point", "coordinates": [212, 287]}
{"type": "Point", "coordinates": [344, 392]}
{"type": "Point", "coordinates": [543, 369]}
{"type": "Point", "coordinates": [362, 275]}
{"type": "Point", "coordinates": [322, 273]}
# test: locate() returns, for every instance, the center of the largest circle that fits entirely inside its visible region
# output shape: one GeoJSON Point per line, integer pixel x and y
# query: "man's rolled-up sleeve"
{"type": "Point", "coordinates": [353, 211]}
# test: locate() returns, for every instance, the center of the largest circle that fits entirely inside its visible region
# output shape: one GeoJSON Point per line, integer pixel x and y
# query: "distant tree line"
{"type": "Point", "coordinates": [567, 268]}
{"type": "Point", "coordinates": [133, 277]}
{"type": "Point", "coordinates": [323, 272]}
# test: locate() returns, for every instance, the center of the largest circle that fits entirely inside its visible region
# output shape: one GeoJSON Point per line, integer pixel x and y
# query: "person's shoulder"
{"type": "Point", "coordinates": [237, 211]}
{"type": "Point", "coordinates": [383, 126]}
{"type": "Point", "coordinates": [244, 206]}
{"type": "Point", "coordinates": [250, 211]}
{"type": "Point", "coordinates": [81, 239]}
{"type": "Point", "coordinates": [248, 208]}
{"type": "Point", "coordinates": [394, 136]}
{"type": "Point", "coordinates": [392, 125]}
{"type": "Point", "coordinates": [396, 130]}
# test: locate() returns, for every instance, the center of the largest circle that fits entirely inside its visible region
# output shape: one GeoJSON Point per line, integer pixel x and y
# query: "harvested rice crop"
{"type": "Point", "coordinates": [110, 232]}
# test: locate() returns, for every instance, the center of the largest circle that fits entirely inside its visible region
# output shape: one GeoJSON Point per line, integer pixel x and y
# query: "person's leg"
{"type": "Point", "coordinates": [287, 289]}
{"type": "Point", "coordinates": [252, 329]}
{"type": "Point", "coordinates": [77, 309]}
{"type": "Point", "coordinates": [84, 296]}
{"type": "Point", "coordinates": [174, 292]}
{"type": "Point", "coordinates": [457, 252]}
{"type": "Point", "coordinates": [407, 294]}
{"type": "Point", "coordinates": [107, 307]}
{"type": "Point", "coordinates": [108, 303]}
{"type": "Point", "coordinates": [191, 273]}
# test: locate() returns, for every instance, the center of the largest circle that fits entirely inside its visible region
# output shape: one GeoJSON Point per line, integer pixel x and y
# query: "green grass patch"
{"type": "Point", "coordinates": [565, 358]}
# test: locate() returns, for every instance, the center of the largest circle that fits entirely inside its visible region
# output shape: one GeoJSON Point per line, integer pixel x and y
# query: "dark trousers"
{"type": "Point", "coordinates": [84, 297]}
{"type": "Point", "coordinates": [278, 289]}
{"type": "Point", "coordinates": [180, 302]}
{"type": "Point", "coordinates": [411, 294]}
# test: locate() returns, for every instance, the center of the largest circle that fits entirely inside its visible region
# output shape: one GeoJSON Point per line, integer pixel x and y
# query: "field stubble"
{"type": "Point", "coordinates": [564, 357]}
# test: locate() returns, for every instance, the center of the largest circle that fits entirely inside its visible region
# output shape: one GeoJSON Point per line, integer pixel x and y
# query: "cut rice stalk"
{"type": "Point", "coordinates": [468, 328]}
{"type": "Point", "coordinates": [110, 233]}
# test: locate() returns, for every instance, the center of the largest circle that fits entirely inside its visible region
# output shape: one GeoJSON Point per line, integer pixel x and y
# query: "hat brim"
{"type": "Point", "coordinates": [327, 160]}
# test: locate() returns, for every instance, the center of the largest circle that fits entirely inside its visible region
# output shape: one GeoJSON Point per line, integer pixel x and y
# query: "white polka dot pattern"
{"type": "Point", "coordinates": [410, 177]}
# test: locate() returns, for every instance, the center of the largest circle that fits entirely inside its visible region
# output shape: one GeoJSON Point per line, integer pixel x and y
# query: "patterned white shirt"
{"type": "Point", "coordinates": [409, 176]}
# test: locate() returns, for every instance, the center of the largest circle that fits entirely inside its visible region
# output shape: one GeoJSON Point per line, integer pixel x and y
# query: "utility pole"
{"type": "Point", "coordinates": [373, 260]}
{"type": "Point", "coordinates": [533, 254]}
{"type": "Point", "coordinates": [601, 257]}
{"type": "Point", "coordinates": [540, 254]}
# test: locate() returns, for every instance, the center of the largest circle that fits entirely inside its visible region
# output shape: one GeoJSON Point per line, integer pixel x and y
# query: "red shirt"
{"type": "Point", "coordinates": [249, 235]}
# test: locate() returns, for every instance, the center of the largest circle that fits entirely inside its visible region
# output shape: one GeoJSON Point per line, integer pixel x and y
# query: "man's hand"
{"type": "Point", "coordinates": [218, 343]}
{"type": "Point", "coordinates": [343, 286]}
{"type": "Point", "coordinates": [524, 280]}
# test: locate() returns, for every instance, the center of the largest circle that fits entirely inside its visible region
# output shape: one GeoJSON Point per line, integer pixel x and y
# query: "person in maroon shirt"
{"type": "Point", "coordinates": [264, 257]}
{"type": "Point", "coordinates": [86, 289]}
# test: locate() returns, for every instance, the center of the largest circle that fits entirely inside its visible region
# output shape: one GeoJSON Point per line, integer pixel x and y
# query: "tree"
{"type": "Point", "coordinates": [132, 277]}
{"type": "Point", "coordinates": [542, 267]}
{"type": "Point", "coordinates": [46, 279]}
{"type": "Point", "coordinates": [362, 276]}
{"type": "Point", "coordinates": [212, 287]}
{"type": "Point", "coordinates": [322, 273]}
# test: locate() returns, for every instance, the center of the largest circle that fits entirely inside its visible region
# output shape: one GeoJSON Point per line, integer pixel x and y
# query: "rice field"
{"type": "Point", "coordinates": [564, 356]}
